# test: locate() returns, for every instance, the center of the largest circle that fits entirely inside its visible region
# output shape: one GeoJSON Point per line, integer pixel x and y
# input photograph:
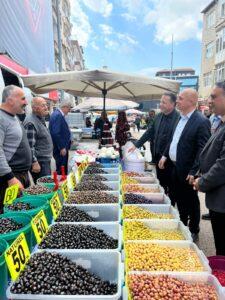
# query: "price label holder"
{"type": "Point", "coordinates": [40, 226]}
{"type": "Point", "coordinates": [56, 206]}
{"type": "Point", "coordinates": [11, 194]}
{"type": "Point", "coordinates": [73, 182]}
{"type": "Point", "coordinates": [17, 255]}
{"type": "Point", "coordinates": [65, 190]}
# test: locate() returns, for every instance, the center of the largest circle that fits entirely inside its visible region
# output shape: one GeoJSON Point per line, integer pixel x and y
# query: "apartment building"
{"type": "Point", "coordinates": [213, 46]}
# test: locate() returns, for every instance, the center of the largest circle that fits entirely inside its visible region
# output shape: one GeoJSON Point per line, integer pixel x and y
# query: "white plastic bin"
{"type": "Point", "coordinates": [112, 229]}
{"type": "Point", "coordinates": [100, 212]}
{"type": "Point", "coordinates": [108, 177]}
{"type": "Point", "coordinates": [155, 196]}
{"type": "Point", "coordinates": [105, 264]}
{"type": "Point", "coordinates": [164, 200]}
{"type": "Point", "coordinates": [191, 278]}
{"type": "Point", "coordinates": [134, 165]}
{"type": "Point", "coordinates": [166, 225]}
{"type": "Point", "coordinates": [114, 193]}
{"type": "Point", "coordinates": [178, 244]}
{"type": "Point", "coordinates": [157, 208]}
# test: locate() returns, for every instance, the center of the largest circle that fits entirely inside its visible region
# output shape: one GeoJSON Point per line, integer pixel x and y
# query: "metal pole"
{"type": "Point", "coordinates": [104, 92]}
{"type": "Point", "coordinates": [171, 65]}
{"type": "Point", "coordinates": [59, 42]}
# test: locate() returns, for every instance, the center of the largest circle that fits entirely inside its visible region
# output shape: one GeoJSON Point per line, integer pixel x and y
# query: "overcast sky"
{"type": "Point", "coordinates": [135, 35]}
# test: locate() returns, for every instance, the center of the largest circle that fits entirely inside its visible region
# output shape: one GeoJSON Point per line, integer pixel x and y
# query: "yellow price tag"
{"type": "Point", "coordinates": [65, 190]}
{"type": "Point", "coordinates": [56, 205]}
{"type": "Point", "coordinates": [73, 180]}
{"type": "Point", "coordinates": [79, 172]}
{"type": "Point", "coordinates": [11, 194]}
{"type": "Point", "coordinates": [40, 226]}
{"type": "Point", "coordinates": [17, 255]}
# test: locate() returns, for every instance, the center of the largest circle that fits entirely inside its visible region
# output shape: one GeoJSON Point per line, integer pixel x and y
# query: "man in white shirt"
{"type": "Point", "coordinates": [190, 136]}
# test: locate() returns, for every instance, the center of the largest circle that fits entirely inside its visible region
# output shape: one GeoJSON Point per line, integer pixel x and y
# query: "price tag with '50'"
{"type": "Point", "coordinates": [56, 205]}
{"type": "Point", "coordinates": [73, 180]}
{"type": "Point", "coordinates": [11, 194]}
{"type": "Point", "coordinates": [40, 226]}
{"type": "Point", "coordinates": [17, 255]}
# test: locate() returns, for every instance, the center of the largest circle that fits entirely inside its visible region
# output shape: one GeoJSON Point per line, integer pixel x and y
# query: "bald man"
{"type": "Point", "coordinates": [39, 138]}
{"type": "Point", "coordinates": [189, 138]}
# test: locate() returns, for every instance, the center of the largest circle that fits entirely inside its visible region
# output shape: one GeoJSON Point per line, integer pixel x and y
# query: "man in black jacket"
{"type": "Point", "coordinates": [159, 135]}
{"type": "Point", "coordinates": [189, 138]}
{"type": "Point", "coordinates": [212, 167]}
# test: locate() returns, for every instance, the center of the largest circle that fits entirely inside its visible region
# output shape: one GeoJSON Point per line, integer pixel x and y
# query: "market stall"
{"type": "Point", "coordinates": [101, 233]}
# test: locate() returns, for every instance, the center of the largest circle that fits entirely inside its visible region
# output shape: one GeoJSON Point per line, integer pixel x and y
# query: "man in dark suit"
{"type": "Point", "coordinates": [212, 167]}
{"type": "Point", "coordinates": [61, 135]}
{"type": "Point", "coordinates": [189, 137]}
{"type": "Point", "coordinates": [159, 134]}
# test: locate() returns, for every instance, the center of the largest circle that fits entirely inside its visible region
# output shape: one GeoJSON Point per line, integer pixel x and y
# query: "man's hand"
{"type": "Point", "coordinates": [162, 162]}
{"type": "Point", "coordinates": [13, 181]}
{"type": "Point", "coordinates": [190, 179]}
{"type": "Point", "coordinates": [196, 184]}
{"type": "Point", "coordinates": [36, 167]}
{"type": "Point", "coordinates": [132, 149]}
{"type": "Point", "coordinates": [63, 152]}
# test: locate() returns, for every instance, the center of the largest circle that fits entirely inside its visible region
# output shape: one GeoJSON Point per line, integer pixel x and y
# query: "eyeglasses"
{"type": "Point", "coordinates": [213, 96]}
{"type": "Point", "coordinates": [23, 98]}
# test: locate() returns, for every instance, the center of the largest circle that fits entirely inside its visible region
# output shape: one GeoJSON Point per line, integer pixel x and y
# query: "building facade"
{"type": "Point", "coordinates": [72, 52]}
{"type": "Point", "coordinates": [186, 77]}
{"type": "Point", "coordinates": [213, 46]}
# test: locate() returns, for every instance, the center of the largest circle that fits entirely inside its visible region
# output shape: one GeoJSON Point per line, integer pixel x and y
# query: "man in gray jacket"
{"type": "Point", "coordinates": [212, 167]}
{"type": "Point", "coordinates": [39, 138]}
{"type": "Point", "coordinates": [15, 154]}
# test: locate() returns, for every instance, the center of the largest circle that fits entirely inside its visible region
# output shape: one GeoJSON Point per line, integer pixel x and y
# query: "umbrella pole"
{"type": "Point", "coordinates": [104, 93]}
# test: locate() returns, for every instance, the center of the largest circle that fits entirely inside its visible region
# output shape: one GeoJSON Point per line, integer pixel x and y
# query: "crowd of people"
{"type": "Point", "coordinates": [29, 147]}
{"type": "Point", "coordinates": [189, 152]}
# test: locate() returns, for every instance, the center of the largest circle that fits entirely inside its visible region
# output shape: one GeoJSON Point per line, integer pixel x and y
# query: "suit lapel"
{"type": "Point", "coordinates": [189, 124]}
{"type": "Point", "coordinates": [212, 138]}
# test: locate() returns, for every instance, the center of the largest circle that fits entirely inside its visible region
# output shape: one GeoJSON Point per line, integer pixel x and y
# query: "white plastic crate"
{"type": "Point", "coordinates": [110, 171]}
{"type": "Point", "coordinates": [193, 277]}
{"type": "Point", "coordinates": [114, 193]}
{"type": "Point", "coordinates": [178, 244]}
{"type": "Point", "coordinates": [100, 212]}
{"type": "Point", "coordinates": [157, 208]}
{"type": "Point", "coordinates": [105, 264]}
{"type": "Point", "coordinates": [108, 177]}
{"type": "Point", "coordinates": [155, 200]}
{"type": "Point", "coordinates": [166, 225]}
{"type": "Point", "coordinates": [112, 229]}
{"type": "Point", "coordinates": [146, 180]}
{"type": "Point", "coordinates": [155, 196]}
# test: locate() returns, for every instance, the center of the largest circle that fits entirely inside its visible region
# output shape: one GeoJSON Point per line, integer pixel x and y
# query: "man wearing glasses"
{"type": "Point", "coordinates": [212, 167]}
{"type": "Point", "coordinates": [39, 139]}
{"type": "Point", "coordinates": [15, 154]}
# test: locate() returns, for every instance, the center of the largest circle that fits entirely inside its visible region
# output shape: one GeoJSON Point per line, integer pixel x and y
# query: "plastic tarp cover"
{"type": "Point", "coordinates": [26, 33]}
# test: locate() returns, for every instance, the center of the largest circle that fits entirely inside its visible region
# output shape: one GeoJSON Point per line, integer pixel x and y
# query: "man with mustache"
{"type": "Point", "coordinates": [39, 138]}
{"type": "Point", "coordinates": [15, 153]}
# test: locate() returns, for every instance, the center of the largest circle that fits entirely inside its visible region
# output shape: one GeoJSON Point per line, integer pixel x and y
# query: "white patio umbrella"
{"type": "Point", "coordinates": [134, 111]}
{"type": "Point", "coordinates": [111, 104]}
{"type": "Point", "coordinates": [97, 83]}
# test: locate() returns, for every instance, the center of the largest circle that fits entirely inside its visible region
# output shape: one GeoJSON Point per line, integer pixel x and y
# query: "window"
{"type": "Point", "coordinates": [207, 79]}
{"type": "Point", "coordinates": [210, 19]}
{"type": "Point", "coordinates": [209, 50]}
{"type": "Point", "coordinates": [220, 72]}
{"type": "Point", "coordinates": [222, 11]}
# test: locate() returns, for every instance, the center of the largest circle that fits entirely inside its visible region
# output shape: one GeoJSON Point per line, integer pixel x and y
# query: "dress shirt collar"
{"type": "Point", "coordinates": [61, 112]}
{"type": "Point", "coordinates": [222, 118]}
{"type": "Point", "coordinates": [187, 117]}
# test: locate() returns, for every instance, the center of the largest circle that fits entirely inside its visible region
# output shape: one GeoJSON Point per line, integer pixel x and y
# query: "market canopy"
{"type": "Point", "coordinates": [111, 104]}
{"type": "Point", "coordinates": [97, 83]}
{"type": "Point", "coordinates": [134, 111]}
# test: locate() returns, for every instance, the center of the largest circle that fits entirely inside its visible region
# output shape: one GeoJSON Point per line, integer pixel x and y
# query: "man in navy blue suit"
{"type": "Point", "coordinates": [189, 138]}
{"type": "Point", "coordinates": [61, 135]}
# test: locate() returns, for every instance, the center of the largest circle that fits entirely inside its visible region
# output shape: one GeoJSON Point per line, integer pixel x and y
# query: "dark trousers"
{"type": "Point", "coordinates": [45, 170]}
{"type": "Point", "coordinates": [23, 178]}
{"type": "Point", "coordinates": [218, 227]}
{"type": "Point", "coordinates": [61, 161]}
{"type": "Point", "coordinates": [187, 201]}
{"type": "Point", "coordinates": [165, 179]}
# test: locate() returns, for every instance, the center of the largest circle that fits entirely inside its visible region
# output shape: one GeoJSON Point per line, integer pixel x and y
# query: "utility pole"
{"type": "Point", "coordinates": [171, 64]}
{"type": "Point", "coordinates": [59, 42]}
